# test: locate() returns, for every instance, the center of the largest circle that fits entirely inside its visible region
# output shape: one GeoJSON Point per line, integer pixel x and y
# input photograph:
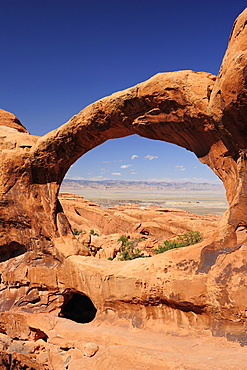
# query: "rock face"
{"type": "Point", "coordinates": [47, 280]}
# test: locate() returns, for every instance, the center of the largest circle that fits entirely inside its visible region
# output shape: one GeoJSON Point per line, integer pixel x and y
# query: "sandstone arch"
{"type": "Point", "coordinates": [170, 107]}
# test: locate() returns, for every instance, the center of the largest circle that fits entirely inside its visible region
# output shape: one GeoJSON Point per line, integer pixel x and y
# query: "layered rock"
{"type": "Point", "coordinates": [47, 280]}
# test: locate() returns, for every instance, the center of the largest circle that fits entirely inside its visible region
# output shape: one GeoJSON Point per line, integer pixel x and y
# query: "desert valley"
{"type": "Point", "coordinates": [199, 198]}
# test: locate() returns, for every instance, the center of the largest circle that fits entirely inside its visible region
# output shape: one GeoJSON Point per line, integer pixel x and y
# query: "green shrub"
{"type": "Point", "coordinates": [125, 254]}
{"type": "Point", "coordinates": [184, 240]}
{"type": "Point", "coordinates": [167, 246]}
{"type": "Point", "coordinates": [124, 239]}
{"type": "Point", "coordinates": [129, 250]}
{"type": "Point", "coordinates": [92, 232]}
{"type": "Point", "coordinates": [129, 253]}
{"type": "Point", "coordinates": [137, 253]}
{"type": "Point", "coordinates": [190, 238]}
{"type": "Point", "coordinates": [76, 232]}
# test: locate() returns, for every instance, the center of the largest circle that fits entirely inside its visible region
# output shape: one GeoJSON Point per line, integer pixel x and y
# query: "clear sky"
{"type": "Point", "coordinates": [58, 56]}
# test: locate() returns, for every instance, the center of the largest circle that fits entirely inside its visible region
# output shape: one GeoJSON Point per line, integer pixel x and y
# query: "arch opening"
{"type": "Point", "coordinates": [156, 170]}
{"type": "Point", "coordinates": [78, 307]}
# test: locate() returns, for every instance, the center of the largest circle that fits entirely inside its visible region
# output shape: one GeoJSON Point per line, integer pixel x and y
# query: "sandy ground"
{"type": "Point", "coordinates": [157, 348]}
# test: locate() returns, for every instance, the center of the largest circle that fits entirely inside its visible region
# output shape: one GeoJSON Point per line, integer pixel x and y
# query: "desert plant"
{"type": "Point", "coordinates": [125, 254]}
{"type": "Point", "coordinates": [129, 253]}
{"type": "Point", "coordinates": [124, 239]}
{"type": "Point", "coordinates": [190, 238]}
{"type": "Point", "coordinates": [76, 232]}
{"type": "Point", "coordinates": [92, 232]}
{"type": "Point", "coordinates": [184, 240]}
{"type": "Point", "coordinates": [128, 250]}
{"type": "Point", "coordinates": [137, 253]}
{"type": "Point", "coordinates": [167, 246]}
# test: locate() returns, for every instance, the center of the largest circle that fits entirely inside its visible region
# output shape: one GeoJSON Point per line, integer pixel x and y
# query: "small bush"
{"type": "Point", "coordinates": [76, 232]}
{"type": "Point", "coordinates": [129, 253]}
{"type": "Point", "coordinates": [184, 240]}
{"type": "Point", "coordinates": [129, 250]}
{"type": "Point", "coordinates": [92, 232]}
{"type": "Point", "coordinates": [167, 246]}
{"type": "Point", "coordinates": [137, 253]}
{"type": "Point", "coordinates": [124, 239]}
{"type": "Point", "coordinates": [125, 255]}
{"type": "Point", "coordinates": [190, 238]}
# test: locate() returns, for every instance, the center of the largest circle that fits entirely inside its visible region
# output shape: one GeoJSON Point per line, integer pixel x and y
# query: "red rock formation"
{"type": "Point", "coordinates": [228, 109]}
{"type": "Point", "coordinates": [44, 269]}
{"type": "Point", "coordinates": [11, 121]}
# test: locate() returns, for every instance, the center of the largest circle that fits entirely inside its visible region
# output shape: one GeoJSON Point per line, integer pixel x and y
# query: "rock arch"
{"type": "Point", "coordinates": [170, 107]}
{"type": "Point", "coordinates": [194, 110]}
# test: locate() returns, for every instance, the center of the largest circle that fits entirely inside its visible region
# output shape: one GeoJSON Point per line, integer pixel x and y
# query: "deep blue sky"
{"type": "Point", "coordinates": [58, 56]}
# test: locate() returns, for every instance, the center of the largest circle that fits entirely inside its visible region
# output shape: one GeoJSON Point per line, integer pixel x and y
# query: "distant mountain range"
{"type": "Point", "coordinates": [138, 185]}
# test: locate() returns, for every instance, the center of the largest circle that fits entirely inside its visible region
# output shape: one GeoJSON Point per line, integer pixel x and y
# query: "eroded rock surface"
{"type": "Point", "coordinates": [44, 267]}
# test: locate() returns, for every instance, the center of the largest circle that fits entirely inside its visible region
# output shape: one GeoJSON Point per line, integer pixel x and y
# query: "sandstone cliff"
{"type": "Point", "coordinates": [47, 278]}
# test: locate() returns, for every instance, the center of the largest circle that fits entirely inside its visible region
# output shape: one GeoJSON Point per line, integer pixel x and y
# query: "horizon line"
{"type": "Point", "coordinates": [151, 181]}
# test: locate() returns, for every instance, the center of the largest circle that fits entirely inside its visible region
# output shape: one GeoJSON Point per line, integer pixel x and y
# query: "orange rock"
{"type": "Point", "coordinates": [90, 349]}
{"type": "Point", "coordinates": [227, 107]}
{"type": "Point", "coordinates": [8, 119]}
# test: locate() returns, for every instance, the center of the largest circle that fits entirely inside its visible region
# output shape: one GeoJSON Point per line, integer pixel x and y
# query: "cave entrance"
{"type": "Point", "coordinates": [12, 250]}
{"type": "Point", "coordinates": [78, 307]}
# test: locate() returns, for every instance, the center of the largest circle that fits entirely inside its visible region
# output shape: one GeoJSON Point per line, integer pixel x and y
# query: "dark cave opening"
{"type": "Point", "coordinates": [11, 250]}
{"type": "Point", "coordinates": [78, 307]}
